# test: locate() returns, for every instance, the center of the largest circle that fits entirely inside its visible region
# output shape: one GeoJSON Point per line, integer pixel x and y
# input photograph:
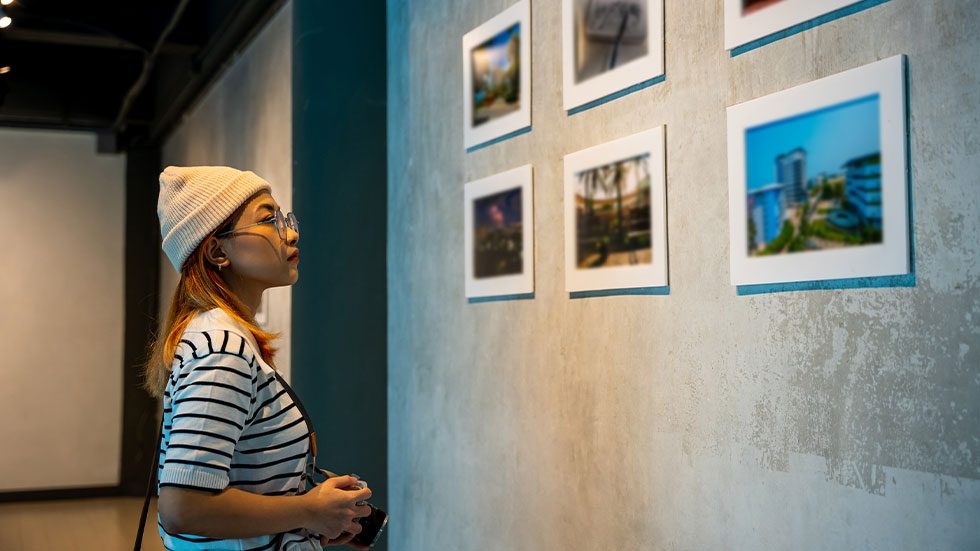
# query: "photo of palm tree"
{"type": "Point", "coordinates": [498, 234]}
{"type": "Point", "coordinates": [496, 76]}
{"type": "Point", "coordinates": [612, 214]}
{"type": "Point", "coordinates": [608, 34]}
{"type": "Point", "coordinates": [813, 180]}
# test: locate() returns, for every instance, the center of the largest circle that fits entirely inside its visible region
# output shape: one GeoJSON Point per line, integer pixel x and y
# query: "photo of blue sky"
{"type": "Point", "coordinates": [497, 76]}
{"type": "Point", "coordinates": [496, 48]}
{"type": "Point", "coordinates": [831, 137]}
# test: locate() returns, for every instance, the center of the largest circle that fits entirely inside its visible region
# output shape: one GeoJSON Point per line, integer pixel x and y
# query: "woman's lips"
{"type": "Point", "coordinates": [294, 257]}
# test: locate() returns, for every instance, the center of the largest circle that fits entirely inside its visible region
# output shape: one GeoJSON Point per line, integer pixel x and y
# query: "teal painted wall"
{"type": "Point", "coordinates": [339, 356]}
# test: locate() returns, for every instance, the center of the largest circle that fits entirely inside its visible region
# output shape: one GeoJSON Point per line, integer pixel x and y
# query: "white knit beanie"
{"type": "Point", "coordinates": [195, 200]}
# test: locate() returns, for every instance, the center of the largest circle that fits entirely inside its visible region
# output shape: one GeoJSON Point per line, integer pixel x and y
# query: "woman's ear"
{"type": "Point", "coordinates": [214, 254]}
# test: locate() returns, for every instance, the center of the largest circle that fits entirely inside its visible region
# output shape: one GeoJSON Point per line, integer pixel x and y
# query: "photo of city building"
{"type": "Point", "coordinates": [498, 237]}
{"type": "Point", "coordinates": [496, 76]}
{"type": "Point", "coordinates": [612, 214]}
{"type": "Point", "coordinates": [814, 180]}
{"type": "Point", "coordinates": [608, 34]}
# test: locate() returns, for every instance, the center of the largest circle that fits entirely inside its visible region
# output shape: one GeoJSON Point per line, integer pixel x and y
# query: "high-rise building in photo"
{"type": "Point", "coordinates": [791, 171]}
{"type": "Point", "coordinates": [863, 188]}
{"type": "Point", "coordinates": [766, 207]}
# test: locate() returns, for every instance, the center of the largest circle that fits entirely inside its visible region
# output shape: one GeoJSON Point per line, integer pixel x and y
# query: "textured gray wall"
{"type": "Point", "coordinates": [841, 418]}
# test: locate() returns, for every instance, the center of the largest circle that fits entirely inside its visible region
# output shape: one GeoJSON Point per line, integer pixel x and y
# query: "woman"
{"type": "Point", "coordinates": [234, 447]}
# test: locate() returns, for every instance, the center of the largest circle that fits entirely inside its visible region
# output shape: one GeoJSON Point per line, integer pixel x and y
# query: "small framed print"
{"type": "Point", "coordinates": [609, 45]}
{"type": "Point", "coordinates": [616, 214]}
{"type": "Point", "coordinates": [750, 20]}
{"type": "Point", "coordinates": [818, 181]}
{"type": "Point", "coordinates": [497, 76]}
{"type": "Point", "coordinates": [499, 234]}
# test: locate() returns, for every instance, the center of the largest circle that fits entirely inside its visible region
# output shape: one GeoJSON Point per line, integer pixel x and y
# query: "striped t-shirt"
{"type": "Point", "coordinates": [228, 423]}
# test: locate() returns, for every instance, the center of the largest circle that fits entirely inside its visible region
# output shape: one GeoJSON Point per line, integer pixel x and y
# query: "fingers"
{"type": "Point", "coordinates": [342, 539]}
{"type": "Point", "coordinates": [341, 482]}
{"type": "Point", "coordinates": [361, 511]}
{"type": "Point", "coordinates": [362, 495]}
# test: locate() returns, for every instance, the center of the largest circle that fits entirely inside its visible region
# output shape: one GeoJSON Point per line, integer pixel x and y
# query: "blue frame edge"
{"type": "Point", "coordinates": [904, 280]}
{"type": "Point", "coordinates": [665, 290]}
{"type": "Point", "coordinates": [617, 95]}
{"type": "Point", "coordinates": [499, 139]}
{"type": "Point", "coordinates": [800, 27]}
{"type": "Point", "coordinates": [501, 298]}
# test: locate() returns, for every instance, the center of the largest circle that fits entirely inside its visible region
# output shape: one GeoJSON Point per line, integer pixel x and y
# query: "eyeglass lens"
{"type": "Point", "coordinates": [286, 221]}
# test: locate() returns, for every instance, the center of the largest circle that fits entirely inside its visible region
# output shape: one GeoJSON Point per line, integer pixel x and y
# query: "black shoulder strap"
{"type": "Point", "coordinates": [149, 487]}
{"type": "Point", "coordinates": [302, 411]}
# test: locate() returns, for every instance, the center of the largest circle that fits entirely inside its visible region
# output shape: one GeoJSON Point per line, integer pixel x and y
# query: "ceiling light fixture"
{"type": "Point", "coordinates": [5, 69]}
{"type": "Point", "coordinates": [6, 2]}
{"type": "Point", "coordinates": [5, 22]}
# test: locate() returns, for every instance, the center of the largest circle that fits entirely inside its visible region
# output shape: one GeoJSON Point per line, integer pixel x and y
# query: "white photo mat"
{"type": "Point", "coordinates": [634, 72]}
{"type": "Point", "coordinates": [886, 78]}
{"type": "Point", "coordinates": [653, 274]}
{"type": "Point", "coordinates": [741, 29]}
{"type": "Point", "coordinates": [519, 13]}
{"type": "Point", "coordinates": [522, 283]}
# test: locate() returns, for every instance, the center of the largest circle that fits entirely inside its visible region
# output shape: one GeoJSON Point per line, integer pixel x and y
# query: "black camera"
{"type": "Point", "coordinates": [371, 527]}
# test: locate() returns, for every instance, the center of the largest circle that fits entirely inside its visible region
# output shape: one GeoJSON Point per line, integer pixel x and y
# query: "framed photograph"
{"type": "Point", "coordinates": [497, 76]}
{"type": "Point", "coordinates": [609, 45]}
{"type": "Point", "coordinates": [616, 214]}
{"type": "Point", "coordinates": [499, 234]}
{"type": "Point", "coordinates": [749, 20]}
{"type": "Point", "coordinates": [817, 179]}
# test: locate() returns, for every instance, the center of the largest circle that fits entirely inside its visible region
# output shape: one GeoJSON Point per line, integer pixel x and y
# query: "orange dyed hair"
{"type": "Point", "coordinates": [200, 289]}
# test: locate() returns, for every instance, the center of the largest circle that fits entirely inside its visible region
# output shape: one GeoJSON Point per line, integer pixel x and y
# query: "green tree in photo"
{"type": "Point", "coordinates": [776, 245]}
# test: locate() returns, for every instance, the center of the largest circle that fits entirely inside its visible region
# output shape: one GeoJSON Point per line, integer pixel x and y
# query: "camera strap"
{"type": "Point", "coordinates": [155, 456]}
{"type": "Point", "coordinates": [306, 416]}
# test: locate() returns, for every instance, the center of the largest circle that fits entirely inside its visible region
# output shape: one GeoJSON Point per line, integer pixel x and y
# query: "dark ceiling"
{"type": "Point", "coordinates": [126, 69]}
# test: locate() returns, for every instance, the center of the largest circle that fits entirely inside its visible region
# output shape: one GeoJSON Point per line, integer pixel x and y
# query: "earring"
{"type": "Point", "coordinates": [219, 267]}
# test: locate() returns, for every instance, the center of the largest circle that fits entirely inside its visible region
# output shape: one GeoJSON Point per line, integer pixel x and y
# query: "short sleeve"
{"type": "Point", "coordinates": [211, 398]}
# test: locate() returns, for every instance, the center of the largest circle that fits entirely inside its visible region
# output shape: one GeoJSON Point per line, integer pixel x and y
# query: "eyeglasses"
{"type": "Point", "coordinates": [282, 222]}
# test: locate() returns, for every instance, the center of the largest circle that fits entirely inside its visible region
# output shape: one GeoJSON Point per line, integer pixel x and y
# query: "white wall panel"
{"type": "Point", "coordinates": [62, 214]}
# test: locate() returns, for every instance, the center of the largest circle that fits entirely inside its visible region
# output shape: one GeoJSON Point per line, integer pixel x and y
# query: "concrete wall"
{"type": "Point", "coordinates": [838, 418]}
{"type": "Point", "coordinates": [62, 206]}
{"type": "Point", "coordinates": [245, 121]}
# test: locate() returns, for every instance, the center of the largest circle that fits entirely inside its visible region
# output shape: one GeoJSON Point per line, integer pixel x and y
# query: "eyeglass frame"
{"type": "Point", "coordinates": [288, 220]}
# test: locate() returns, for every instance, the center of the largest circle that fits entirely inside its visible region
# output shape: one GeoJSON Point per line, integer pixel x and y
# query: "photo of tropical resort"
{"type": "Point", "coordinates": [814, 180]}
{"type": "Point", "coordinates": [498, 234]}
{"type": "Point", "coordinates": [750, 6]}
{"type": "Point", "coordinates": [612, 214]}
{"type": "Point", "coordinates": [497, 76]}
{"type": "Point", "coordinates": [608, 34]}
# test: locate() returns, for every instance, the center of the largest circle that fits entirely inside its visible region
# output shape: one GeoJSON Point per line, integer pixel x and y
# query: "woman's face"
{"type": "Point", "coordinates": [258, 255]}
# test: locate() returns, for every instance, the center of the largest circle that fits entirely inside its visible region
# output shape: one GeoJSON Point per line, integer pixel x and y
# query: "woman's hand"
{"type": "Point", "coordinates": [333, 508]}
{"type": "Point", "coordinates": [343, 539]}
